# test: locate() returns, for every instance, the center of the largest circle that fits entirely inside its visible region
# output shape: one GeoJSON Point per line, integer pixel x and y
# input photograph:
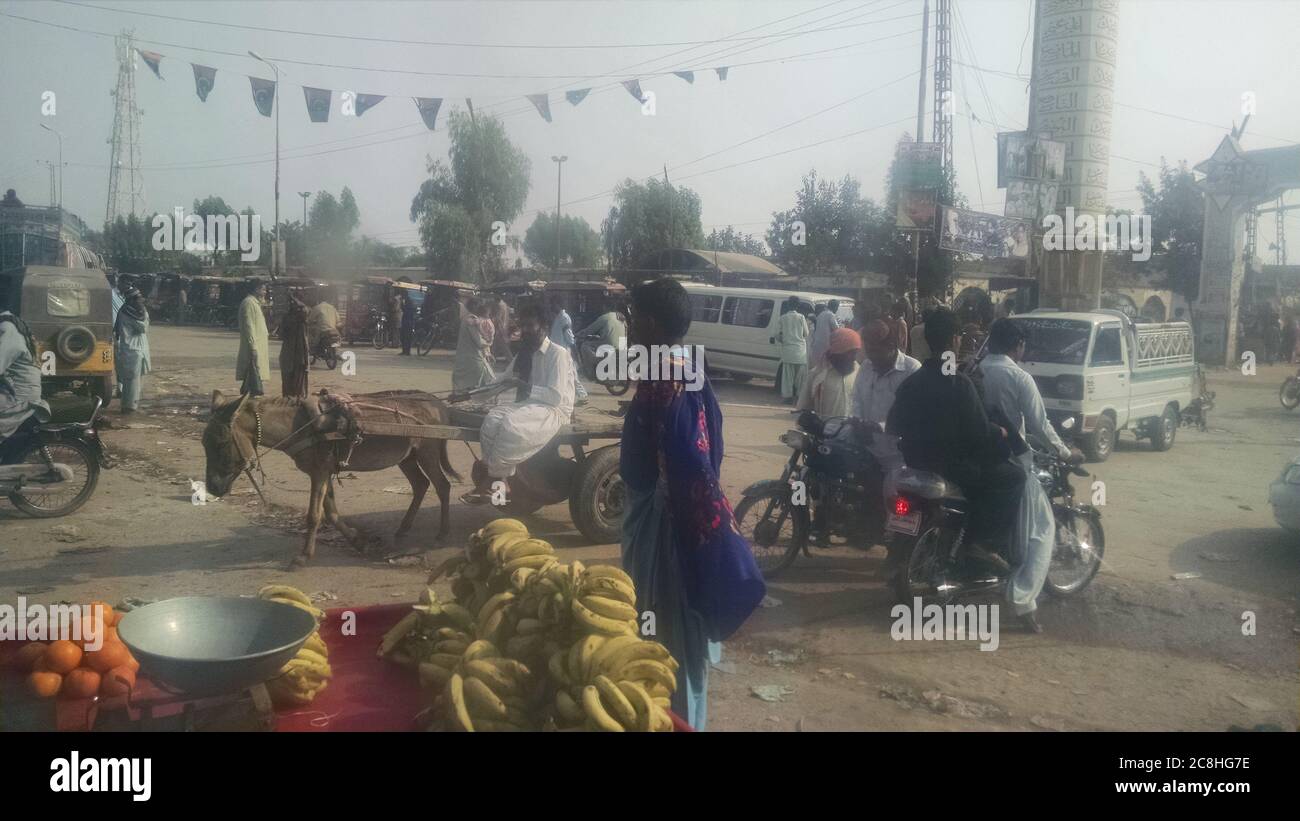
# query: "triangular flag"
{"type": "Point", "coordinates": [263, 94]}
{"type": "Point", "coordinates": [543, 105]}
{"type": "Point", "coordinates": [205, 77]}
{"type": "Point", "coordinates": [634, 88]}
{"type": "Point", "coordinates": [428, 109]}
{"type": "Point", "coordinates": [722, 72]}
{"type": "Point", "coordinates": [365, 102]}
{"type": "Point", "coordinates": [152, 59]}
{"type": "Point", "coordinates": [318, 103]}
{"type": "Point", "coordinates": [688, 76]}
{"type": "Point", "coordinates": [577, 95]}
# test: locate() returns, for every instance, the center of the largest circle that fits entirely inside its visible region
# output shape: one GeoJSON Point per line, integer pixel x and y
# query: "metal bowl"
{"type": "Point", "coordinates": [213, 645]}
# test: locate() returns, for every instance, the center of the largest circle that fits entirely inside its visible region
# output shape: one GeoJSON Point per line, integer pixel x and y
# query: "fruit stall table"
{"type": "Point", "coordinates": [366, 694]}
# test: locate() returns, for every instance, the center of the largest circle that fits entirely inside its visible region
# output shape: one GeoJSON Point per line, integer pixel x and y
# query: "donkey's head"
{"type": "Point", "coordinates": [227, 442]}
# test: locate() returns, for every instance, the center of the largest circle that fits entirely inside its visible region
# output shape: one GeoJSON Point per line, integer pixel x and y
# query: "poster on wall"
{"type": "Point", "coordinates": [989, 235]}
{"type": "Point", "coordinates": [916, 210]}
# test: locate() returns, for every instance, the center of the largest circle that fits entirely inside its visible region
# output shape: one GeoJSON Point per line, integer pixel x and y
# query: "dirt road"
{"type": "Point", "coordinates": [1138, 651]}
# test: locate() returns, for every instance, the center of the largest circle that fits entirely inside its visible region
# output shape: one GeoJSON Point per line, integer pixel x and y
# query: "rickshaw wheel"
{"type": "Point", "coordinates": [597, 498]}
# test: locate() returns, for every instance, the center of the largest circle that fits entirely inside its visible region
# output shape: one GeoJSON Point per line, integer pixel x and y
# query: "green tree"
{"type": "Point", "coordinates": [212, 205]}
{"type": "Point", "coordinates": [485, 181]}
{"type": "Point", "coordinates": [731, 240]}
{"type": "Point", "coordinates": [129, 248]}
{"type": "Point", "coordinates": [832, 227]}
{"type": "Point", "coordinates": [1177, 209]}
{"type": "Point", "coordinates": [651, 216]}
{"type": "Point", "coordinates": [935, 267]}
{"type": "Point", "coordinates": [579, 244]}
{"type": "Point", "coordinates": [330, 225]}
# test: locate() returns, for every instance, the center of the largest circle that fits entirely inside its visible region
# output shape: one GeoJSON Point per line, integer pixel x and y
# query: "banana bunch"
{"type": "Point", "coordinates": [308, 672]}
{"type": "Point", "coordinates": [613, 684]}
{"type": "Point", "coordinates": [432, 628]}
{"type": "Point", "coordinates": [484, 692]}
{"type": "Point", "coordinates": [492, 556]}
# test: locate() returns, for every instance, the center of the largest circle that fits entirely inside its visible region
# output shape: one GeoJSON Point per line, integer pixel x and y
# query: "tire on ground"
{"type": "Point", "coordinates": [597, 498]}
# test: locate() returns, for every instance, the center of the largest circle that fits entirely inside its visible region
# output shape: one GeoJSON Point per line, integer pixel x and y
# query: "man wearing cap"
{"type": "Point", "coordinates": [828, 390]}
{"type": "Point", "coordinates": [885, 368]}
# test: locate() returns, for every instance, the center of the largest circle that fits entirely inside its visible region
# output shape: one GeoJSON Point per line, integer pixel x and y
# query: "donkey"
{"type": "Point", "coordinates": [240, 427]}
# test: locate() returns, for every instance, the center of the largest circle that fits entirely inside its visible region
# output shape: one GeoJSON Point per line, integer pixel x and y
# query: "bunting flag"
{"type": "Point", "coordinates": [577, 95]}
{"type": "Point", "coordinates": [205, 77]}
{"type": "Point", "coordinates": [634, 88]}
{"type": "Point", "coordinates": [365, 102]}
{"type": "Point", "coordinates": [543, 105]}
{"type": "Point", "coordinates": [428, 109]}
{"type": "Point", "coordinates": [722, 72]}
{"type": "Point", "coordinates": [152, 59]}
{"type": "Point", "coordinates": [263, 94]}
{"type": "Point", "coordinates": [318, 103]}
{"type": "Point", "coordinates": [688, 76]}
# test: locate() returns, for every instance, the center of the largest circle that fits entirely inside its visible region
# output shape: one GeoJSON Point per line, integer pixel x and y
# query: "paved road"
{"type": "Point", "coordinates": [1139, 650]}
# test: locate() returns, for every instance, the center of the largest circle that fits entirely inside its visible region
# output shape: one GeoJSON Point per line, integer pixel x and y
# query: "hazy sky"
{"type": "Point", "coordinates": [1192, 60]}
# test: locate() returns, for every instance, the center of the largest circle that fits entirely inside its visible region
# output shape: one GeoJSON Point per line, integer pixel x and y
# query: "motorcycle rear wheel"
{"type": "Point", "coordinates": [775, 529]}
{"type": "Point", "coordinates": [85, 475]}
{"type": "Point", "coordinates": [920, 567]}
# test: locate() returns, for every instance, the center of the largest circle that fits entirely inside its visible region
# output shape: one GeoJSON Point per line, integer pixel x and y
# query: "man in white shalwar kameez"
{"type": "Point", "coordinates": [1007, 387]}
{"type": "Point", "coordinates": [514, 431]}
{"type": "Point", "coordinates": [823, 326]}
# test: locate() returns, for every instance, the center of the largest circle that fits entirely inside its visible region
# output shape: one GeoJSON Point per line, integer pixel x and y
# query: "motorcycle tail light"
{"type": "Point", "coordinates": [902, 507]}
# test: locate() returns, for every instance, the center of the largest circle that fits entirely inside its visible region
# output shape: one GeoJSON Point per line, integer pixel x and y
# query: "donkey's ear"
{"type": "Point", "coordinates": [218, 399]}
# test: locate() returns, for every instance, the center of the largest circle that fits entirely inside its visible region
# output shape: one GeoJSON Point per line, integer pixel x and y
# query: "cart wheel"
{"type": "Point", "coordinates": [596, 501]}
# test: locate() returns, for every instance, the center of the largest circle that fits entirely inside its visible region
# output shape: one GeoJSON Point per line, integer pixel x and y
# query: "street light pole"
{"type": "Point", "coordinates": [60, 136]}
{"type": "Point", "coordinates": [304, 195]}
{"type": "Point", "coordinates": [275, 255]}
{"type": "Point", "coordinates": [559, 166]}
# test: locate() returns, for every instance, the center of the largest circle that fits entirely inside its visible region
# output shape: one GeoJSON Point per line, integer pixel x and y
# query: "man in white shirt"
{"type": "Point", "coordinates": [1008, 388]}
{"type": "Point", "coordinates": [511, 433]}
{"type": "Point", "coordinates": [792, 343]}
{"type": "Point", "coordinates": [828, 390]}
{"type": "Point", "coordinates": [825, 324]}
{"type": "Point", "coordinates": [885, 368]}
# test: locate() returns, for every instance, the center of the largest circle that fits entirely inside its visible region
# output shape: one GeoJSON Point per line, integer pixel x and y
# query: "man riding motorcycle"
{"type": "Point", "coordinates": [608, 329]}
{"type": "Point", "coordinates": [942, 427]}
{"type": "Point", "coordinates": [21, 406]}
{"type": "Point", "coordinates": [322, 325]}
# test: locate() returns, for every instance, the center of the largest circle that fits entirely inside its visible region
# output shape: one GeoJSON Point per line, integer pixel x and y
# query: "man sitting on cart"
{"type": "Point", "coordinates": [544, 375]}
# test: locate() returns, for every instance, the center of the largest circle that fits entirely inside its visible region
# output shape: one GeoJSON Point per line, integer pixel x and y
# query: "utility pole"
{"type": "Point", "coordinates": [304, 195]}
{"type": "Point", "coordinates": [925, 56]}
{"type": "Point", "coordinates": [60, 136]}
{"type": "Point", "coordinates": [276, 262]}
{"type": "Point", "coordinates": [53, 191]}
{"type": "Point", "coordinates": [559, 170]}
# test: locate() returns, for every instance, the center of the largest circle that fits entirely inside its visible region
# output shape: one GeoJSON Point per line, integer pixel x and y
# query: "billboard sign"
{"type": "Point", "coordinates": [988, 235]}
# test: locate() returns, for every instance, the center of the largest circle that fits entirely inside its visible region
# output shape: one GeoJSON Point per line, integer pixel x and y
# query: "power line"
{"type": "Point", "coordinates": [439, 43]}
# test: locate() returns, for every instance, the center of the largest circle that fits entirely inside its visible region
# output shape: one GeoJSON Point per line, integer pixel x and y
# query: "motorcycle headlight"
{"type": "Point", "coordinates": [796, 439]}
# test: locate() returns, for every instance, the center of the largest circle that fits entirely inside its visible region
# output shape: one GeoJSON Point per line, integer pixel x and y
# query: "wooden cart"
{"type": "Point", "coordinates": [588, 478]}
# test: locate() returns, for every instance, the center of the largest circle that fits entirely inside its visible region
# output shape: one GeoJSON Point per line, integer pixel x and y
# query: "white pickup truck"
{"type": "Point", "coordinates": [1100, 373]}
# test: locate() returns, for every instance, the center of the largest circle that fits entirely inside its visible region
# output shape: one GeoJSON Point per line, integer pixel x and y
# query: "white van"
{"type": "Point", "coordinates": [737, 326]}
{"type": "Point", "coordinates": [1100, 373]}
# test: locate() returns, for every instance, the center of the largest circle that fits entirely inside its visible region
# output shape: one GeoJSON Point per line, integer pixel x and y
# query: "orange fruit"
{"type": "Point", "coordinates": [27, 655]}
{"type": "Point", "coordinates": [45, 685]}
{"type": "Point", "coordinates": [42, 665]}
{"type": "Point", "coordinates": [112, 654]}
{"type": "Point", "coordinates": [109, 613]}
{"type": "Point", "coordinates": [80, 683]}
{"type": "Point", "coordinates": [62, 657]}
{"type": "Point", "coordinates": [118, 681]}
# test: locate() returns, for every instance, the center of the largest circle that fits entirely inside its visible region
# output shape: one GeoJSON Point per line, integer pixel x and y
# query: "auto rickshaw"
{"type": "Point", "coordinates": [365, 313]}
{"type": "Point", "coordinates": [70, 314]}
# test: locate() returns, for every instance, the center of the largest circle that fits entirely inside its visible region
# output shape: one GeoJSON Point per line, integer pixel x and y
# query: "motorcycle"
{"type": "Point", "coordinates": [587, 354]}
{"type": "Point", "coordinates": [52, 469]}
{"type": "Point", "coordinates": [825, 487]}
{"type": "Point", "coordinates": [930, 514]}
{"type": "Point", "coordinates": [327, 348]}
{"type": "Point", "coordinates": [1197, 412]}
{"type": "Point", "coordinates": [379, 329]}
{"type": "Point", "coordinates": [1290, 393]}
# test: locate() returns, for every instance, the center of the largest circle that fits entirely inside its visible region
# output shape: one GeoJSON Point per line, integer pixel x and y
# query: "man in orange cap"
{"type": "Point", "coordinates": [829, 389]}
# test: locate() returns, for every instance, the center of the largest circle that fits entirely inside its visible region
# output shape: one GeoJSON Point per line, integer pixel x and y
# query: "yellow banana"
{"type": "Point", "coordinates": [609, 571]}
{"type": "Point", "coordinates": [480, 650]}
{"type": "Point", "coordinates": [615, 702]}
{"type": "Point", "coordinates": [312, 656]}
{"type": "Point", "coordinates": [499, 544]}
{"type": "Point", "coordinates": [556, 667]}
{"type": "Point", "coordinates": [286, 592]}
{"type": "Point", "coordinates": [663, 723]}
{"type": "Point", "coordinates": [535, 562]}
{"type": "Point", "coordinates": [651, 670]}
{"type": "Point", "coordinates": [498, 526]}
{"type": "Point", "coordinates": [316, 612]}
{"type": "Point", "coordinates": [481, 701]}
{"type": "Point", "coordinates": [610, 587]}
{"type": "Point", "coordinates": [610, 608]}
{"type": "Point", "coordinates": [459, 712]}
{"type": "Point", "coordinates": [519, 578]}
{"type": "Point", "coordinates": [433, 676]}
{"type": "Point", "coordinates": [635, 651]}
{"type": "Point", "coordinates": [596, 712]}
{"type": "Point", "coordinates": [567, 708]}
{"type": "Point", "coordinates": [611, 649]}
{"type": "Point", "coordinates": [526, 547]}
{"type": "Point", "coordinates": [494, 677]}
{"type": "Point", "coordinates": [601, 624]}
{"type": "Point", "coordinates": [642, 703]}
{"type": "Point", "coordinates": [493, 604]}
{"type": "Point", "coordinates": [448, 660]}
{"type": "Point", "coordinates": [462, 617]}
{"type": "Point", "coordinates": [317, 645]}
{"type": "Point", "coordinates": [489, 726]}
{"type": "Point", "coordinates": [452, 646]}
{"type": "Point", "coordinates": [586, 652]}
{"type": "Point", "coordinates": [527, 627]}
